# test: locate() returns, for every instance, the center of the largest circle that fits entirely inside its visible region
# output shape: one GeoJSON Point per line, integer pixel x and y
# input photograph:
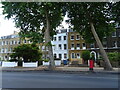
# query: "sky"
{"type": "Point", "coordinates": [7, 27]}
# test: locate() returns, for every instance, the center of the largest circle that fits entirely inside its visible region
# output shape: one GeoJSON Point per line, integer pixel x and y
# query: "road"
{"type": "Point", "coordinates": [58, 80]}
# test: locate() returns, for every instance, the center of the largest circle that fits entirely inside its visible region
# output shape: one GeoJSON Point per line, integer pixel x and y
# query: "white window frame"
{"type": "Point", "coordinates": [78, 47]}
{"type": "Point", "coordinates": [73, 54]}
{"type": "Point", "coordinates": [64, 55]}
{"type": "Point", "coordinates": [77, 38]}
{"type": "Point", "coordinates": [71, 37]}
{"type": "Point", "coordinates": [72, 48]}
{"type": "Point", "coordinates": [64, 46]}
{"type": "Point", "coordinates": [59, 55]}
{"type": "Point", "coordinates": [59, 38]}
{"type": "Point", "coordinates": [115, 44]}
{"type": "Point", "coordinates": [59, 46]}
{"type": "Point", "coordinates": [83, 47]}
{"type": "Point", "coordinates": [77, 54]}
{"type": "Point", "coordinates": [64, 38]}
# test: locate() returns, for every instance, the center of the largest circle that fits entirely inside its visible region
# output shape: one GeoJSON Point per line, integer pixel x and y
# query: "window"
{"type": "Point", "coordinates": [84, 46]}
{"type": "Point", "coordinates": [12, 42]}
{"type": "Point", "coordinates": [3, 50]}
{"type": "Point", "coordinates": [3, 42]}
{"type": "Point", "coordinates": [104, 44]}
{"type": "Point", "coordinates": [78, 37]}
{"type": "Point", "coordinates": [78, 45]}
{"type": "Point", "coordinates": [60, 56]}
{"type": "Point", "coordinates": [82, 38]}
{"type": "Point", "coordinates": [11, 49]}
{"type": "Point", "coordinates": [65, 46]}
{"type": "Point", "coordinates": [65, 55]}
{"type": "Point", "coordinates": [15, 42]}
{"type": "Point", "coordinates": [114, 34]}
{"type": "Point", "coordinates": [119, 34]}
{"type": "Point", "coordinates": [54, 38]}
{"type": "Point", "coordinates": [72, 55]}
{"type": "Point", "coordinates": [18, 42]}
{"type": "Point", "coordinates": [114, 44]}
{"type": "Point", "coordinates": [64, 37]}
{"type": "Point", "coordinates": [59, 38]}
{"type": "Point", "coordinates": [72, 37]}
{"type": "Point", "coordinates": [118, 43]}
{"type": "Point", "coordinates": [30, 42]}
{"type": "Point", "coordinates": [24, 41]}
{"type": "Point", "coordinates": [6, 50]}
{"type": "Point", "coordinates": [55, 55]}
{"type": "Point", "coordinates": [60, 47]}
{"type": "Point", "coordinates": [72, 45]}
{"type": "Point", "coordinates": [78, 55]}
{"type": "Point", "coordinates": [6, 42]}
{"type": "Point", "coordinates": [92, 45]}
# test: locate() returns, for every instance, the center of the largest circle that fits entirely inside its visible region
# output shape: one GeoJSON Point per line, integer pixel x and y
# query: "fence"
{"type": "Point", "coordinates": [30, 64]}
{"type": "Point", "coordinates": [9, 64]}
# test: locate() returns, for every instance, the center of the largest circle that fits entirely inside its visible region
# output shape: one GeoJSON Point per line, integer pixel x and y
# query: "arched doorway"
{"type": "Point", "coordinates": [93, 52]}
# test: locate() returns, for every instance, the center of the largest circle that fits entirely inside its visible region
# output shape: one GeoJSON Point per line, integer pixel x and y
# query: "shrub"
{"type": "Point", "coordinates": [13, 60]}
{"type": "Point", "coordinates": [114, 56]}
{"type": "Point", "coordinates": [46, 60]}
{"type": "Point", "coordinates": [85, 55]}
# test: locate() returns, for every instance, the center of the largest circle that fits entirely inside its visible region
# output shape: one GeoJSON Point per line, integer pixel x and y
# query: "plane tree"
{"type": "Point", "coordinates": [31, 17]}
{"type": "Point", "coordinates": [93, 21]}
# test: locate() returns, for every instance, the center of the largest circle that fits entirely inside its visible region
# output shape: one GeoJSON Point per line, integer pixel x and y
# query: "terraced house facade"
{"type": "Point", "coordinates": [67, 45]}
{"type": "Point", "coordinates": [8, 43]}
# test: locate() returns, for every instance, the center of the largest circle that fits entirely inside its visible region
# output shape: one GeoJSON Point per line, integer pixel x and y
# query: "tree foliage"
{"type": "Point", "coordinates": [42, 17]}
{"type": "Point", "coordinates": [93, 21]}
{"type": "Point", "coordinates": [30, 17]}
{"type": "Point", "coordinates": [114, 56]}
{"type": "Point", "coordinates": [29, 52]}
{"type": "Point", "coordinates": [115, 12]}
{"type": "Point", "coordinates": [82, 13]}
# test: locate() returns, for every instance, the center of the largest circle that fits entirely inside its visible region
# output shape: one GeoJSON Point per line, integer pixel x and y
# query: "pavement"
{"type": "Point", "coordinates": [59, 69]}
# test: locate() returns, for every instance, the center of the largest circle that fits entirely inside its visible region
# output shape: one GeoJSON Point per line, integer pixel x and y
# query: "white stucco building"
{"type": "Point", "coordinates": [60, 45]}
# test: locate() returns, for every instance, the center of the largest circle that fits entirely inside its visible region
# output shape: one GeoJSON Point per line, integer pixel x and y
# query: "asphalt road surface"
{"type": "Point", "coordinates": [58, 80]}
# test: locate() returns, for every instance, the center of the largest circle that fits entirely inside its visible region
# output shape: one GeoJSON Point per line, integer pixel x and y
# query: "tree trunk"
{"type": "Point", "coordinates": [48, 40]}
{"type": "Point", "coordinates": [107, 65]}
